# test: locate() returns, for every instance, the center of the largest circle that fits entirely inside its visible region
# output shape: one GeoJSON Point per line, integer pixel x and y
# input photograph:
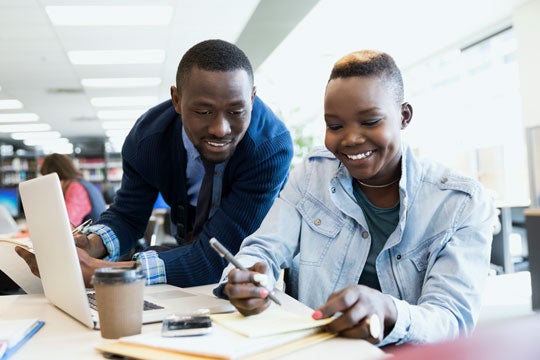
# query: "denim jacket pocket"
{"type": "Point", "coordinates": [415, 264]}
{"type": "Point", "coordinates": [420, 261]}
{"type": "Point", "coordinates": [322, 225]}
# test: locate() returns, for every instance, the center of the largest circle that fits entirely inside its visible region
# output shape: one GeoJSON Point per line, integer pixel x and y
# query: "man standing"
{"type": "Point", "coordinates": [215, 125]}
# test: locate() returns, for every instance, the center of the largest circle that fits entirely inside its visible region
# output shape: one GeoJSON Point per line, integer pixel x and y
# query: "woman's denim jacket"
{"type": "Point", "coordinates": [434, 264]}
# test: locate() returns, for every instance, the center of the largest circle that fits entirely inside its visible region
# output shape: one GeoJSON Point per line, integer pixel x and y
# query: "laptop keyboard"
{"type": "Point", "coordinates": [147, 304]}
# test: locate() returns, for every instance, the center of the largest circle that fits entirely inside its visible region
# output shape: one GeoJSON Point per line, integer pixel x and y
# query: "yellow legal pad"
{"type": "Point", "coordinates": [275, 320]}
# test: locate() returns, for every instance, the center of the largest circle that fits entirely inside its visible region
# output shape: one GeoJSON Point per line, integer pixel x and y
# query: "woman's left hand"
{"type": "Point", "coordinates": [365, 313]}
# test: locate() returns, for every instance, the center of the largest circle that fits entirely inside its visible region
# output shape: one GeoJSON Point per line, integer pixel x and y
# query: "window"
{"type": "Point", "coordinates": [467, 114]}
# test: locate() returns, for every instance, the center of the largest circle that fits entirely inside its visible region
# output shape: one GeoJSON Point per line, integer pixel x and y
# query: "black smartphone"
{"type": "Point", "coordinates": [186, 325]}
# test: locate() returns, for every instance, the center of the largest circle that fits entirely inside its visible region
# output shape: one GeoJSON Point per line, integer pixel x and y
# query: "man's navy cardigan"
{"type": "Point", "coordinates": [154, 160]}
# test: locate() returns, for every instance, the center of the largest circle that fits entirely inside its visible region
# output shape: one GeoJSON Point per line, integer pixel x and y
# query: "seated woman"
{"type": "Point", "coordinates": [83, 200]}
{"type": "Point", "coordinates": [395, 247]}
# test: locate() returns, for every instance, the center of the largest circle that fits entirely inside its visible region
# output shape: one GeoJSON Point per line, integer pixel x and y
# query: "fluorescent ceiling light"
{"type": "Point", "coordinates": [24, 127]}
{"type": "Point", "coordinates": [18, 117]}
{"type": "Point", "coordinates": [121, 82]}
{"type": "Point", "coordinates": [116, 57]}
{"type": "Point", "coordinates": [117, 133]}
{"type": "Point", "coordinates": [34, 142]}
{"type": "Point", "coordinates": [119, 114]}
{"type": "Point", "coordinates": [10, 104]}
{"type": "Point", "coordinates": [125, 101]}
{"type": "Point", "coordinates": [113, 125]}
{"type": "Point", "coordinates": [62, 148]}
{"type": "Point", "coordinates": [36, 135]}
{"type": "Point", "coordinates": [109, 15]}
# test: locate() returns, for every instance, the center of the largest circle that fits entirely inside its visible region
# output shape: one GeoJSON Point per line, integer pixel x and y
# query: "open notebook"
{"type": "Point", "coordinates": [61, 276]}
{"type": "Point", "coordinates": [271, 334]}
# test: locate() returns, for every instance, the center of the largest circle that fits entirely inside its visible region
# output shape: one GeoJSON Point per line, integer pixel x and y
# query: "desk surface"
{"type": "Point", "coordinates": [506, 297]}
{"type": "Point", "coordinates": [64, 338]}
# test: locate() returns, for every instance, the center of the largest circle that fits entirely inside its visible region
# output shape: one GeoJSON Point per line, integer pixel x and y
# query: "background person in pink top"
{"type": "Point", "coordinates": [83, 199]}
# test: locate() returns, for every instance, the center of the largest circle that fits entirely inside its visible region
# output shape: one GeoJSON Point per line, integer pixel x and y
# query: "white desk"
{"type": "Point", "coordinates": [64, 338]}
{"type": "Point", "coordinates": [505, 297]}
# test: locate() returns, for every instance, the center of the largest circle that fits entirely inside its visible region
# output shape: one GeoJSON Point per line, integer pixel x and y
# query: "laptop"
{"type": "Point", "coordinates": [60, 272]}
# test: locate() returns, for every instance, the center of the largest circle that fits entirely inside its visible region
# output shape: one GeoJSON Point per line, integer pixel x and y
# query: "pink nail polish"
{"type": "Point", "coordinates": [264, 293]}
{"type": "Point", "coordinates": [317, 315]}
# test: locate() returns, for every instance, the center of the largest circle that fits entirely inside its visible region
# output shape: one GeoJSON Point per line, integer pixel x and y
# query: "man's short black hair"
{"type": "Point", "coordinates": [371, 63]}
{"type": "Point", "coordinates": [213, 55]}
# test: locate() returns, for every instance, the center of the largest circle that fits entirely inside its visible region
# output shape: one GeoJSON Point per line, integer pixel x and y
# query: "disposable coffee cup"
{"type": "Point", "coordinates": [119, 297]}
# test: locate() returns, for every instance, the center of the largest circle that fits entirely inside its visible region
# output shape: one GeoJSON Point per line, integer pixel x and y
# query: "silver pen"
{"type": "Point", "coordinates": [82, 227]}
{"type": "Point", "coordinates": [223, 252]}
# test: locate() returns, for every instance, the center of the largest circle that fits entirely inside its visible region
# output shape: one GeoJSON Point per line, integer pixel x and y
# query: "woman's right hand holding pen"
{"type": "Point", "coordinates": [244, 291]}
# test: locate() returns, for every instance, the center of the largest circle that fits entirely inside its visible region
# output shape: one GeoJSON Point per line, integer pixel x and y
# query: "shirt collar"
{"type": "Point", "coordinates": [192, 152]}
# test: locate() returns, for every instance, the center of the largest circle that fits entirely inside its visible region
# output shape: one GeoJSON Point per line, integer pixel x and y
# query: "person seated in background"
{"type": "Point", "coordinates": [218, 155]}
{"type": "Point", "coordinates": [369, 232]}
{"type": "Point", "coordinates": [83, 199]}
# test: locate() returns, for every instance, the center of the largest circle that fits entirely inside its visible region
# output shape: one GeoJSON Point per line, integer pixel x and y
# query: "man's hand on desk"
{"type": "Point", "coordinates": [88, 263]}
{"type": "Point", "coordinates": [92, 243]}
{"type": "Point", "coordinates": [245, 295]}
{"type": "Point", "coordinates": [29, 258]}
{"type": "Point", "coordinates": [357, 304]}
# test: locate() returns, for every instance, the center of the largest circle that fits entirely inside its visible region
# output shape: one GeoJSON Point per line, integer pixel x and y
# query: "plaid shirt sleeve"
{"type": "Point", "coordinates": [149, 261]}
{"type": "Point", "coordinates": [110, 241]}
{"type": "Point", "coordinates": [152, 265]}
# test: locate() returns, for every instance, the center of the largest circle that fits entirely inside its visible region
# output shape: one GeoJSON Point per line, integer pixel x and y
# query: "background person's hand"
{"type": "Point", "coordinates": [29, 258]}
{"type": "Point", "coordinates": [243, 292]}
{"type": "Point", "coordinates": [356, 304]}
{"type": "Point", "coordinates": [91, 243]}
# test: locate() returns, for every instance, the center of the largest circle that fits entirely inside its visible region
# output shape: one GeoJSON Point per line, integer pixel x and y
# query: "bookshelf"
{"type": "Point", "coordinates": [17, 165]}
{"type": "Point", "coordinates": [100, 164]}
{"type": "Point", "coordinates": [113, 165]}
{"type": "Point", "coordinates": [98, 161]}
{"type": "Point", "coordinates": [92, 168]}
{"type": "Point", "coordinates": [89, 158]}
